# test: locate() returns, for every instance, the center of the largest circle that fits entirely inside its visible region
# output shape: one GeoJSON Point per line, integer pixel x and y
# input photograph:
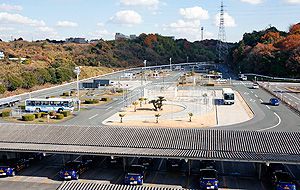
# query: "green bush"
{"type": "Point", "coordinates": [28, 117]}
{"type": "Point", "coordinates": [5, 113]}
{"type": "Point", "coordinates": [38, 115]}
{"type": "Point", "coordinates": [65, 94]}
{"type": "Point", "coordinates": [43, 114]}
{"type": "Point", "coordinates": [52, 113]}
{"type": "Point", "coordinates": [119, 91]}
{"type": "Point", "coordinates": [22, 107]}
{"type": "Point", "coordinates": [59, 116]}
{"type": "Point", "coordinates": [2, 88]}
{"type": "Point", "coordinates": [210, 84]}
{"type": "Point", "coordinates": [66, 113]}
{"type": "Point", "coordinates": [105, 99]}
{"type": "Point", "coordinates": [91, 101]}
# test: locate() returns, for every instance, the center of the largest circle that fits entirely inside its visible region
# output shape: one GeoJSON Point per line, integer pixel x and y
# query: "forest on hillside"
{"type": "Point", "coordinates": [53, 63]}
{"type": "Point", "coordinates": [268, 52]}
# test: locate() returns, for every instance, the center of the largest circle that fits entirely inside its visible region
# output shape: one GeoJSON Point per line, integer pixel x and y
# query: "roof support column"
{"type": "Point", "coordinates": [259, 170]}
{"type": "Point", "coordinates": [124, 163]}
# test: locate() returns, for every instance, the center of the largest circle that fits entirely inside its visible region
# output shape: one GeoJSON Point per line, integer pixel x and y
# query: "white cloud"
{"type": "Point", "coordinates": [151, 3]}
{"type": "Point", "coordinates": [2, 29]}
{"type": "Point", "coordinates": [293, 1]}
{"type": "Point", "coordinates": [7, 7]}
{"type": "Point", "coordinates": [127, 17]}
{"type": "Point", "coordinates": [253, 2]}
{"type": "Point", "coordinates": [66, 24]}
{"type": "Point", "coordinates": [228, 20]}
{"type": "Point", "coordinates": [191, 30]}
{"type": "Point", "coordinates": [194, 13]}
{"type": "Point", "coordinates": [8, 18]}
{"type": "Point", "coordinates": [101, 24]}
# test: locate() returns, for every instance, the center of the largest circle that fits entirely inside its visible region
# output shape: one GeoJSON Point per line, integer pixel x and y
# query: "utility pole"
{"type": "Point", "coordinates": [187, 59]}
{"type": "Point", "coordinates": [77, 72]}
{"type": "Point", "coordinates": [222, 47]}
{"type": "Point", "coordinates": [202, 29]}
{"type": "Point", "coordinates": [171, 63]}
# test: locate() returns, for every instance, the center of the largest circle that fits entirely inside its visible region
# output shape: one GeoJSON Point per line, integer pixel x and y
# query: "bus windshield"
{"type": "Point", "coordinates": [228, 96]}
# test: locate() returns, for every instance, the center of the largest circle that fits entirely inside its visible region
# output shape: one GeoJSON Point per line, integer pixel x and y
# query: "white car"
{"type": "Point", "coordinates": [255, 86]}
{"type": "Point", "coordinates": [221, 80]}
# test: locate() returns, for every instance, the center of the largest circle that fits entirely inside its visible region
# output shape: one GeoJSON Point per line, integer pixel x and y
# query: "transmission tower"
{"type": "Point", "coordinates": [222, 47]}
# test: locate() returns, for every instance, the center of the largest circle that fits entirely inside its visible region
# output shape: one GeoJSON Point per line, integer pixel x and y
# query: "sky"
{"type": "Point", "coordinates": [95, 19]}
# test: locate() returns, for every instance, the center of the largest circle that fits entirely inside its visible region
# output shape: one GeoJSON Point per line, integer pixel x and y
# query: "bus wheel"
{"type": "Point", "coordinates": [37, 110]}
{"type": "Point", "coordinates": [60, 110]}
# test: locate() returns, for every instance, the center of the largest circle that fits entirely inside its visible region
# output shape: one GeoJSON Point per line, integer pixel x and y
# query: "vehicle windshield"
{"type": "Point", "coordinates": [135, 169]}
{"type": "Point", "coordinates": [209, 174]}
{"type": "Point", "coordinates": [71, 166]}
{"type": "Point", "coordinates": [283, 177]}
{"type": "Point", "coordinates": [228, 96]}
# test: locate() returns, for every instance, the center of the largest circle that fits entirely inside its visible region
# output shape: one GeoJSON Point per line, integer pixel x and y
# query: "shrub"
{"type": "Point", "coordinates": [52, 113]}
{"type": "Point", "coordinates": [66, 113]}
{"type": "Point", "coordinates": [28, 117]}
{"type": "Point", "coordinates": [5, 113]}
{"type": "Point", "coordinates": [38, 115]}
{"type": "Point", "coordinates": [22, 107]}
{"type": "Point", "coordinates": [91, 101]}
{"type": "Point", "coordinates": [43, 114]}
{"type": "Point", "coordinates": [2, 89]}
{"type": "Point", "coordinates": [210, 84]}
{"type": "Point", "coordinates": [119, 91]}
{"type": "Point", "coordinates": [105, 99]}
{"type": "Point", "coordinates": [65, 94]}
{"type": "Point", "coordinates": [59, 116]}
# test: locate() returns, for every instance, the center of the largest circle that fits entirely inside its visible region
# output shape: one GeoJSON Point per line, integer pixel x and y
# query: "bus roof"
{"type": "Point", "coordinates": [50, 99]}
{"type": "Point", "coordinates": [227, 90]}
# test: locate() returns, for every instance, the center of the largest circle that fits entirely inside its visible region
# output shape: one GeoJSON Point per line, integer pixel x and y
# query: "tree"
{"type": "Point", "coordinates": [145, 99]}
{"type": "Point", "coordinates": [141, 101]}
{"type": "Point", "coordinates": [121, 115]}
{"type": "Point", "coordinates": [13, 82]}
{"type": "Point", "coordinates": [135, 104]}
{"type": "Point", "coordinates": [190, 115]}
{"type": "Point", "coordinates": [29, 80]}
{"type": "Point", "coordinates": [158, 103]}
{"type": "Point", "coordinates": [157, 116]}
{"type": "Point", "coordinates": [2, 89]}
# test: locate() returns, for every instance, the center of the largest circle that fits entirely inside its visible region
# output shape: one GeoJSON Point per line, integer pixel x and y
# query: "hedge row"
{"type": "Point", "coordinates": [28, 117]}
{"type": "Point", "coordinates": [91, 101]}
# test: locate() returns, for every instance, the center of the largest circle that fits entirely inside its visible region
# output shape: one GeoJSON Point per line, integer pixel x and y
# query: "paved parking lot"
{"type": "Point", "coordinates": [44, 175]}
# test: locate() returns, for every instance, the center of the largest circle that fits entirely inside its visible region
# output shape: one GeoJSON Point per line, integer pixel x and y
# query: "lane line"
{"type": "Point", "coordinates": [261, 100]}
{"type": "Point", "coordinates": [251, 92]}
{"type": "Point", "coordinates": [108, 108]}
{"type": "Point", "coordinates": [296, 103]}
{"type": "Point", "coordinates": [279, 121]}
{"type": "Point", "coordinates": [268, 107]}
{"type": "Point", "coordinates": [93, 116]}
{"type": "Point", "coordinates": [255, 95]}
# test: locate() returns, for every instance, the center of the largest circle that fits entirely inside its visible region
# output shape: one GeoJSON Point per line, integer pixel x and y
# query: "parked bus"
{"type": "Point", "coordinates": [50, 104]}
{"type": "Point", "coordinates": [228, 96]}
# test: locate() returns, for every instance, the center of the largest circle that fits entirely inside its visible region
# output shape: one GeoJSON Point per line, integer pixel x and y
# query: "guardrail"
{"type": "Point", "coordinates": [272, 78]}
{"type": "Point", "coordinates": [293, 107]}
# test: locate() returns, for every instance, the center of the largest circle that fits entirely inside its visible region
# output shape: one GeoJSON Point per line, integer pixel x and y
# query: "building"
{"type": "Point", "coordinates": [17, 59]}
{"type": "Point", "coordinates": [95, 84]}
{"type": "Point", "coordinates": [120, 36]}
{"type": "Point", "coordinates": [76, 40]}
{"type": "Point", "coordinates": [2, 55]}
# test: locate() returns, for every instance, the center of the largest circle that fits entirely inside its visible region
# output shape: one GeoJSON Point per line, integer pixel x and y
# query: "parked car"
{"type": "Point", "coordinates": [255, 86]}
{"type": "Point", "coordinates": [209, 179]}
{"type": "Point", "coordinates": [10, 167]}
{"type": "Point", "coordinates": [221, 80]}
{"type": "Point", "coordinates": [73, 170]}
{"type": "Point", "coordinates": [135, 175]}
{"type": "Point", "coordinates": [274, 102]}
{"type": "Point", "coordinates": [283, 181]}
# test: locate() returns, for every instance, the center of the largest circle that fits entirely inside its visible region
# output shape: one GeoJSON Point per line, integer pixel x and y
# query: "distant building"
{"type": "Point", "coordinates": [120, 36]}
{"type": "Point", "coordinates": [76, 40]}
{"type": "Point", "coordinates": [95, 84]}
{"type": "Point", "coordinates": [95, 41]}
{"type": "Point", "coordinates": [17, 59]}
{"type": "Point", "coordinates": [1, 55]}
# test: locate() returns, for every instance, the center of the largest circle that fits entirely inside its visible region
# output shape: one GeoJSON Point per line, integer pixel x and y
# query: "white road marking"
{"type": "Point", "coordinates": [296, 103]}
{"type": "Point", "coordinates": [255, 95]}
{"type": "Point", "coordinates": [251, 92]}
{"type": "Point", "coordinates": [93, 116]}
{"type": "Point", "coordinates": [108, 108]}
{"type": "Point", "coordinates": [268, 107]}
{"type": "Point", "coordinates": [261, 100]}
{"type": "Point", "coordinates": [290, 99]}
{"type": "Point", "coordinates": [279, 121]}
{"type": "Point", "coordinates": [285, 96]}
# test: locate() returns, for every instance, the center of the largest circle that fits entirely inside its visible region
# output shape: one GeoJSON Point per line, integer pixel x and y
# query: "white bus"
{"type": "Point", "coordinates": [50, 104]}
{"type": "Point", "coordinates": [228, 96]}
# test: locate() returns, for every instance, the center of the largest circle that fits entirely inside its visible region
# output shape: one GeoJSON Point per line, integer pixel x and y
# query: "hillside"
{"type": "Point", "coordinates": [53, 63]}
{"type": "Point", "coordinates": [269, 52]}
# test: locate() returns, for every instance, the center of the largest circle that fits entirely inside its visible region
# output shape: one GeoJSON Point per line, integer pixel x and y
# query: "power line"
{"type": "Point", "coordinates": [222, 47]}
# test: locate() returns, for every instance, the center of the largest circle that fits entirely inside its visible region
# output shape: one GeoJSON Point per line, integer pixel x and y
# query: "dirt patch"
{"type": "Point", "coordinates": [147, 109]}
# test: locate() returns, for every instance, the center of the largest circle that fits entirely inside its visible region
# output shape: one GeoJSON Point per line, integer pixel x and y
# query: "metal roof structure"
{"type": "Point", "coordinates": [104, 186]}
{"type": "Point", "coordinates": [153, 142]}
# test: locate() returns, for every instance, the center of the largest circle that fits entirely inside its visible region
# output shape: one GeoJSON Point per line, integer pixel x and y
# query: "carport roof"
{"type": "Point", "coordinates": [154, 142]}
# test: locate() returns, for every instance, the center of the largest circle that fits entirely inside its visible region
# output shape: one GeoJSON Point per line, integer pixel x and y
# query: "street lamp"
{"type": "Point", "coordinates": [77, 72]}
{"type": "Point", "coordinates": [171, 63]}
{"type": "Point", "coordinates": [187, 59]}
{"type": "Point", "coordinates": [145, 63]}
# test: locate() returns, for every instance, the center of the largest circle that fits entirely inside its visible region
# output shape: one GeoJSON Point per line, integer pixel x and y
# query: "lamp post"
{"type": "Point", "coordinates": [77, 72]}
{"type": "Point", "coordinates": [171, 63]}
{"type": "Point", "coordinates": [145, 63]}
{"type": "Point", "coordinates": [187, 59]}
